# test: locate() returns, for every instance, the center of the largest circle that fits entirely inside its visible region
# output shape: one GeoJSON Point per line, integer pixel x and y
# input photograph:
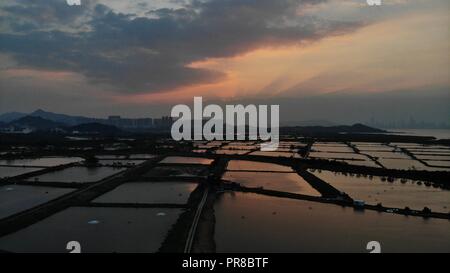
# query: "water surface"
{"type": "Point", "coordinates": [77, 174]}
{"type": "Point", "coordinates": [96, 229]}
{"type": "Point", "coordinates": [186, 160]}
{"type": "Point", "coordinates": [396, 194]}
{"type": "Point", "coordinates": [15, 171]}
{"type": "Point", "coordinates": [149, 193]}
{"type": "Point", "coordinates": [186, 171]}
{"type": "Point", "coordinates": [327, 155]}
{"type": "Point", "coordinates": [287, 182]}
{"type": "Point", "coordinates": [18, 198]}
{"type": "Point", "coordinates": [247, 222]}
{"type": "Point", "coordinates": [406, 164]}
{"type": "Point", "coordinates": [276, 154]}
{"type": "Point", "coordinates": [41, 162]}
{"type": "Point", "coordinates": [246, 165]}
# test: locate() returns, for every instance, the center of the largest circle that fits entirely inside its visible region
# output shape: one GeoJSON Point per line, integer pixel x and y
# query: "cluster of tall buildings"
{"type": "Point", "coordinates": [140, 123]}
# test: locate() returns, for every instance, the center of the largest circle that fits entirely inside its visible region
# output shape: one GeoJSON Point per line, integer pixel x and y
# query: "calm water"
{"type": "Point", "coordinates": [326, 148]}
{"type": "Point", "coordinates": [186, 160]}
{"type": "Point", "coordinates": [231, 152]}
{"type": "Point", "coordinates": [368, 162]}
{"type": "Point", "coordinates": [437, 133]}
{"type": "Point", "coordinates": [421, 147]}
{"type": "Point", "coordinates": [387, 154]}
{"type": "Point", "coordinates": [245, 165]}
{"type": "Point", "coordinates": [111, 156]}
{"type": "Point", "coordinates": [406, 164]}
{"type": "Point", "coordinates": [440, 164]}
{"type": "Point", "coordinates": [396, 194]}
{"type": "Point", "coordinates": [326, 155]}
{"type": "Point", "coordinates": [15, 171]}
{"type": "Point", "coordinates": [77, 174]}
{"type": "Point", "coordinates": [442, 152]}
{"type": "Point", "coordinates": [241, 143]}
{"type": "Point", "coordinates": [398, 160]}
{"type": "Point", "coordinates": [141, 156]}
{"type": "Point", "coordinates": [287, 182]}
{"type": "Point", "coordinates": [433, 157]}
{"type": "Point", "coordinates": [276, 154]}
{"type": "Point", "coordinates": [117, 230]}
{"type": "Point", "coordinates": [233, 146]}
{"type": "Point", "coordinates": [149, 193]}
{"type": "Point", "coordinates": [132, 156]}
{"type": "Point", "coordinates": [41, 162]}
{"type": "Point", "coordinates": [378, 147]}
{"type": "Point", "coordinates": [330, 144]}
{"type": "Point", "coordinates": [17, 198]}
{"type": "Point", "coordinates": [248, 222]}
{"type": "Point", "coordinates": [191, 171]}
{"type": "Point", "coordinates": [120, 161]}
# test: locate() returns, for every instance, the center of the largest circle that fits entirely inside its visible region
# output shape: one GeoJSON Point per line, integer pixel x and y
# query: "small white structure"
{"type": "Point", "coordinates": [359, 203]}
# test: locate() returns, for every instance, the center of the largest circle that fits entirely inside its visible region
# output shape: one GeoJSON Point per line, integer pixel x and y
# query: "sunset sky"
{"type": "Point", "coordinates": [138, 58]}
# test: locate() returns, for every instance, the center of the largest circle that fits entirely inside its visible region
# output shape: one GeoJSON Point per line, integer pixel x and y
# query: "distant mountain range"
{"type": "Point", "coordinates": [76, 120]}
{"type": "Point", "coordinates": [11, 116]}
{"type": "Point", "coordinates": [60, 118]}
{"type": "Point", "coordinates": [355, 128]}
{"type": "Point", "coordinates": [47, 121]}
{"type": "Point", "coordinates": [126, 124]}
{"type": "Point", "coordinates": [35, 123]}
{"type": "Point", "coordinates": [304, 123]}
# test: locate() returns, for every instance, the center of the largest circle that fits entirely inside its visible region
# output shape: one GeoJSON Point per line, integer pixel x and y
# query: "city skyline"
{"type": "Point", "coordinates": [223, 134]}
{"type": "Point", "coordinates": [320, 60]}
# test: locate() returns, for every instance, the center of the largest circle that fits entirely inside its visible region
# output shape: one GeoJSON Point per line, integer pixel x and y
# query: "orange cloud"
{"type": "Point", "coordinates": [406, 52]}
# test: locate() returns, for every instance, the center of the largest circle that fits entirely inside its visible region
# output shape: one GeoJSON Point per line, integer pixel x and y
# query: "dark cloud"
{"type": "Point", "coordinates": [151, 54]}
{"type": "Point", "coordinates": [44, 14]}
